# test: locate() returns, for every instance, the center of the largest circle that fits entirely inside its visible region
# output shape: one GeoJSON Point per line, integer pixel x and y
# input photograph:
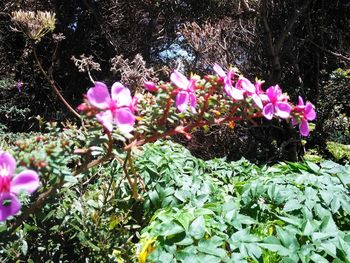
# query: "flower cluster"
{"type": "Point", "coordinates": [273, 102]}
{"type": "Point", "coordinates": [12, 185]}
{"type": "Point", "coordinates": [191, 100]}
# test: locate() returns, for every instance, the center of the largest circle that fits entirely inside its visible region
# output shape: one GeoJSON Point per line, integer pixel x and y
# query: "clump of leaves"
{"type": "Point", "coordinates": [191, 210]}
{"type": "Point", "coordinates": [289, 212]}
{"type": "Point", "coordinates": [339, 151]}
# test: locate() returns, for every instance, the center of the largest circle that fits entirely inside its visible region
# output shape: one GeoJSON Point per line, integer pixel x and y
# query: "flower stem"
{"type": "Point", "coordinates": [53, 85]}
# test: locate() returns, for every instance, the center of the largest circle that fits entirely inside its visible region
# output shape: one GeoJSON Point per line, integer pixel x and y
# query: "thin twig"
{"type": "Point", "coordinates": [53, 85]}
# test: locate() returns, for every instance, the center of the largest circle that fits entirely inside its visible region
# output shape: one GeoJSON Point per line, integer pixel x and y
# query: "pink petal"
{"type": "Point", "coordinates": [9, 205]}
{"type": "Point", "coordinates": [268, 111]}
{"type": "Point", "coordinates": [257, 101]}
{"type": "Point", "coordinates": [264, 98]}
{"type": "Point", "coordinates": [133, 105]}
{"type": "Point", "coordinates": [258, 85]}
{"type": "Point", "coordinates": [304, 128]}
{"type": "Point", "coordinates": [106, 119]}
{"type": "Point", "coordinates": [272, 94]}
{"type": "Point", "coordinates": [27, 180]}
{"type": "Point", "coordinates": [124, 119]}
{"type": "Point", "coordinates": [245, 84]}
{"type": "Point", "coordinates": [192, 85]}
{"type": "Point", "coordinates": [99, 96]}
{"type": "Point", "coordinates": [121, 95]}
{"type": "Point", "coordinates": [283, 109]}
{"type": "Point", "coordinates": [300, 101]}
{"type": "Point", "coordinates": [193, 102]}
{"type": "Point", "coordinates": [150, 86]}
{"type": "Point", "coordinates": [237, 94]}
{"type": "Point", "coordinates": [7, 164]}
{"type": "Point", "coordinates": [179, 80]}
{"type": "Point", "coordinates": [182, 101]}
{"type": "Point", "coordinates": [228, 88]}
{"type": "Point", "coordinates": [310, 113]}
{"type": "Point", "coordinates": [219, 71]}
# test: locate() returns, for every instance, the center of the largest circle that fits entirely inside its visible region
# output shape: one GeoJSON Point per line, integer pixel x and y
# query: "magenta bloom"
{"type": "Point", "coordinates": [235, 93]}
{"type": "Point", "coordinates": [19, 86]}
{"type": "Point", "coordinates": [186, 95]}
{"type": "Point", "coordinates": [259, 95]}
{"type": "Point", "coordinates": [306, 113]}
{"type": "Point", "coordinates": [150, 86]}
{"type": "Point", "coordinates": [276, 104]}
{"type": "Point", "coordinates": [11, 186]}
{"type": "Point", "coordinates": [116, 110]}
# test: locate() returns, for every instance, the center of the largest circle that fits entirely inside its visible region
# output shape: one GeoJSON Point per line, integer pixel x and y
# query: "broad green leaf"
{"type": "Point", "coordinates": [197, 228]}
{"type": "Point", "coordinates": [292, 205]}
{"type": "Point", "coordinates": [318, 259]}
{"type": "Point", "coordinates": [278, 248]}
{"type": "Point", "coordinates": [314, 167]}
{"type": "Point", "coordinates": [308, 228]}
{"type": "Point", "coordinates": [212, 246]}
{"type": "Point", "coordinates": [184, 219]}
{"type": "Point", "coordinates": [203, 258]}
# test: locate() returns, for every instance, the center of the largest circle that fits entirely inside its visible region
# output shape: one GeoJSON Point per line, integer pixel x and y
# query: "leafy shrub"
{"type": "Point", "coordinates": [189, 210]}
{"type": "Point", "coordinates": [289, 212]}
{"type": "Point", "coordinates": [14, 108]}
{"type": "Point", "coordinates": [334, 112]}
{"type": "Point", "coordinates": [339, 151]}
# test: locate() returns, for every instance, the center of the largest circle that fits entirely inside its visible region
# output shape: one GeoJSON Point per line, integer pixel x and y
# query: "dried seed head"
{"type": "Point", "coordinates": [34, 24]}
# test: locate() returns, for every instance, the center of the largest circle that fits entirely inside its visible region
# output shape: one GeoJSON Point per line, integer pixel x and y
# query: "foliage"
{"type": "Point", "coordinates": [334, 112]}
{"type": "Point", "coordinates": [239, 212]}
{"type": "Point", "coordinates": [339, 151]}
{"type": "Point", "coordinates": [14, 109]}
{"type": "Point", "coordinates": [191, 210]}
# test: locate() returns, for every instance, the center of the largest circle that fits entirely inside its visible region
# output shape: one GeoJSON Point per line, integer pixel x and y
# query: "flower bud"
{"type": "Point", "coordinates": [150, 86]}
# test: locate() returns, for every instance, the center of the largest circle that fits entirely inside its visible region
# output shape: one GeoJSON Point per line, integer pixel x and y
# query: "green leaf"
{"type": "Point", "coordinates": [329, 248]}
{"type": "Point", "coordinates": [292, 205]}
{"type": "Point", "coordinates": [191, 259]}
{"type": "Point", "coordinates": [308, 228]}
{"type": "Point", "coordinates": [203, 258]}
{"type": "Point", "coordinates": [70, 180]}
{"type": "Point", "coordinates": [185, 242]}
{"type": "Point", "coordinates": [165, 257]}
{"type": "Point", "coordinates": [318, 259]}
{"type": "Point", "coordinates": [197, 228]}
{"type": "Point", "coordinates": [319, 236]}
{"type": "Point", "coordinates": [211, 246]}
{"type": "Point", "coordinates": [278, 248]}
{"type": "Point", "coordinates": [169, 229]}
{"type": "Point", "coordinates": [327, 196]}
{"type": "Point", "coordinates": [253, 250]}
{"type": "Point", "coordinates": [287, 238]}
{"type": "Point", "coordinates": [314, 167]}
{"type": "Point", "coordinates": [184, 219]}
{"type": "Point", "coordinates": [328, 226]}
{"type": "Point", "coordinates": [154, 197]}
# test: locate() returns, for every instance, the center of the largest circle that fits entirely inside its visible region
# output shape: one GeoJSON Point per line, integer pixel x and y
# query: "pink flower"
{"type": "Point", "coordinates": [19, 86]}
{"type": "Point", "coordinates": [306, 113]}
{"type": "Point", "coordinates": [186, 95]}
{"type": "Point", "coordinates": [276, 104]}
{"type": "Point", "coordinates": [259, 95]}
{"type": "Point", "coordinates": [116, 110]}
{"type": "Point", "coordinates": [235, 93]}
{"type": "Point", "coordinates": [150, 86]}
{"type": "Point", "coordinates": [11, 186]}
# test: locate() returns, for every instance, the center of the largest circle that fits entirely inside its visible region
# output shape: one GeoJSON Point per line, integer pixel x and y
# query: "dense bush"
{"type": "Point", "coordinates": [191, 210]}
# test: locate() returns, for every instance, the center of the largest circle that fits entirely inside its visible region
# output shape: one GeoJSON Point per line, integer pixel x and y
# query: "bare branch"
{"type": "Point", "coordinates": [338, 55]}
